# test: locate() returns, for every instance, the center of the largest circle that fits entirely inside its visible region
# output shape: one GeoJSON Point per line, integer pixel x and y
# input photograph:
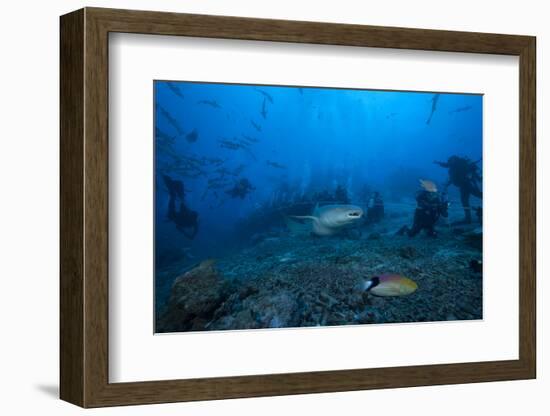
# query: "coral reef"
{"type": "Point", "coordinates": [194, 298]}
{"type": "Point", "coordinates": [296, 281]}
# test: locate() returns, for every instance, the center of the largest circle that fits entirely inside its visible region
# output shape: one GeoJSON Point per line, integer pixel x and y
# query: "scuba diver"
{"type": "Point", "coordinates": [431, 206]}
{"type": "Point", "coordinates": [375, 209]}
{"type": "Point", "coordinates": [464, 174]}
{"type": "Point", "coordinates": [241, 189]}
{"type": "Point", "coordinates": [185, 219]}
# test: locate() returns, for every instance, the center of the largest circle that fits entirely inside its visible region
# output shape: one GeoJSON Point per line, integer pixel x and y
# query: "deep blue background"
{"type": "Point", "coordinates": [324, 137]}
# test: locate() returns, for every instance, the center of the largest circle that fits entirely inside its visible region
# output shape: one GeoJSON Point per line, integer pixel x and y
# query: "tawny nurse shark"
{"type": "Point", "coordinates": [331, 219]}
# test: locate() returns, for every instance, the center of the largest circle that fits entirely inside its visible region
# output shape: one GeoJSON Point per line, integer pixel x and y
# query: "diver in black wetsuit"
{"type": "Point", "coordinates": [464, 174]}
{"type": "Point", "coordinates": [430, 207]}
{"type": "Point", "coordinates": [241, 189]}
{"type": "Point", "coordinates": [185, 219]}
{"type": "Point", "coordinates": [375, 210]}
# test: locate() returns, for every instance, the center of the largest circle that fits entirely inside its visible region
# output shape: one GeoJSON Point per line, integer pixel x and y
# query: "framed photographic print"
{"type": "Point", "coordinates": [256, 207]}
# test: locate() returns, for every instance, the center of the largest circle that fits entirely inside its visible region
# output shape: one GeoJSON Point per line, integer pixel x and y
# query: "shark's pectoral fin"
{"type": "Point", "coordinates": [304, 217]}
{"type": "Point", "coordinates": [299, 227]}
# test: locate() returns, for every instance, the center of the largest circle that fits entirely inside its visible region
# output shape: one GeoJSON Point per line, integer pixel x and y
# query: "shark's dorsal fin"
{"type": "Point", "coordinates": [316, 210]}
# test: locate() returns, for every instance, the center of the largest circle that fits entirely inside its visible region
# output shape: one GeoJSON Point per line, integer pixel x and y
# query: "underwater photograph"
{"type": "Point", "coordinates": [292, 207]}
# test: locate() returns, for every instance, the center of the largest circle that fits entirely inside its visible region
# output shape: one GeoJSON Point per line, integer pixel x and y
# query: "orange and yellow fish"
{"type": "Point", "coordinates": [390, 285]}
{"type": "Point", "coordinates": [428, 185]}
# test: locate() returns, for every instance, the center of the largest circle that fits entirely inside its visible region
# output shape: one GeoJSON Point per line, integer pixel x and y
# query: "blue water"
{"type": "Point", "coordinates": [308, 140]}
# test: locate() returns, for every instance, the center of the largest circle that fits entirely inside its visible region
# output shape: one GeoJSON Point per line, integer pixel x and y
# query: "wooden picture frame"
{"type": "Point", "coordinates": [84, 207]}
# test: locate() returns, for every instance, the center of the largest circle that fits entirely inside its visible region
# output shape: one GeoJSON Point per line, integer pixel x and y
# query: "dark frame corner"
{"type": "Point", "coordinates": [84, 207]}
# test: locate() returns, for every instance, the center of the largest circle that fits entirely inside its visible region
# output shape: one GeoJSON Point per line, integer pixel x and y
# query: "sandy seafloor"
{"type": "Point", "coordinates": [285, 280]}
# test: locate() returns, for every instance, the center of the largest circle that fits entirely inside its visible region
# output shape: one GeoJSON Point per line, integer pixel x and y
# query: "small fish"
{"type": "Point", "coordinates": [390, 285]}
{"type": "Point", "coordinates": [175, 89]}
{"type": "Point", "coordinates": [428, 185]}
{"type": "Point", "coordinates": [275, 164]}
{"type": "Point", "coordinates": [211, 103]}
{"type": "Point", "coordinates": [236, 145]}
{"type": "Point", "coordinates": [228, 144]}
{"type": "Point", "coordinates": [264, 110]}
{"type": "Point", "coordinates": [171, 120]}
{"type": "Point", "coordinates": [461, 109]}
{"type": "Point", "coordinates": [193, 136]}
{"type": "Point", "coordinates": [194, 161]}
{"type": "Point", "coordinates": [301, 91]}
{"type": "Point", "coordinates": [242, 142]}
{"type": "Point", "coordinates": [265, 94]}
{"type": "Point", "coordinates": [256, 125]}
{"type": "Point", "coordinates": [250, 139]}
{"type": "Point", "coordinates": [435, 99]}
